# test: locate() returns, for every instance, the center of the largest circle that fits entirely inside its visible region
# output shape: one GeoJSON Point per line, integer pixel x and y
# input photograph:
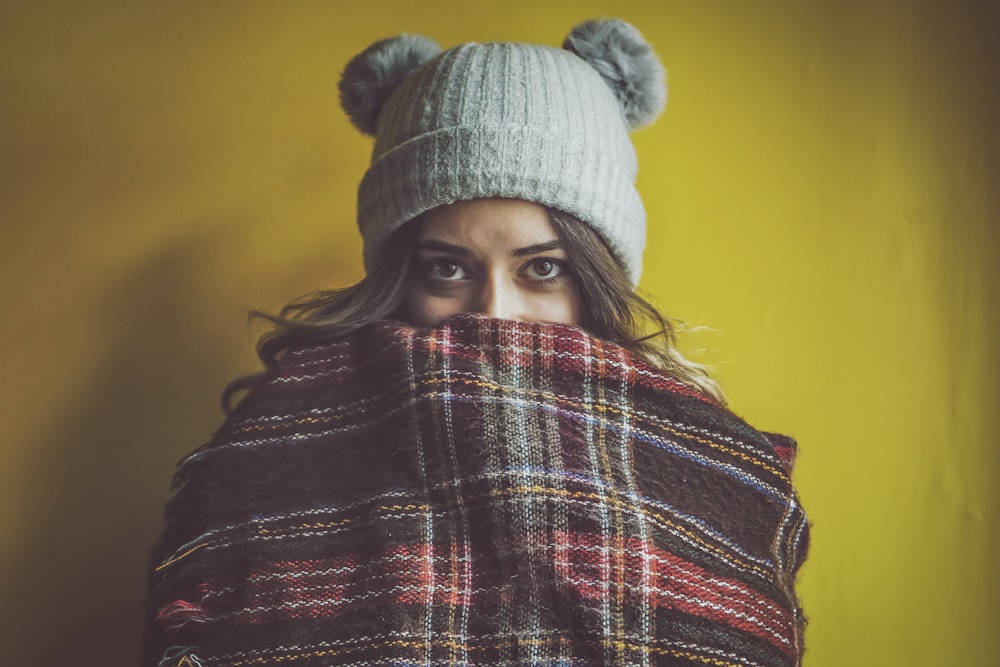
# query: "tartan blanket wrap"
{"type": "Point", "coordinates": [484, 493]}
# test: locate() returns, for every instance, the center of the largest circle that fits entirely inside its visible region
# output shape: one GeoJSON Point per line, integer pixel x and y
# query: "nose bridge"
{"type": "Point", "coordinates": [499, 297]}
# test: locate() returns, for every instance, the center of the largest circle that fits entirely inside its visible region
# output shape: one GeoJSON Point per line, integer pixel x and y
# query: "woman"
{"type": "Point", "coordinates": [475, 455]}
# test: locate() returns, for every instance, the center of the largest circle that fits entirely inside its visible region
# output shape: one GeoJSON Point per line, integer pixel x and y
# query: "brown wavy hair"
{"type": "Point", "coordinates": [611, 309]}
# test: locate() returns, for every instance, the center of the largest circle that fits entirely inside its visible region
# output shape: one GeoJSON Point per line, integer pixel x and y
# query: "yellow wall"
{"type": "Point", "coordinates": [823, 193]}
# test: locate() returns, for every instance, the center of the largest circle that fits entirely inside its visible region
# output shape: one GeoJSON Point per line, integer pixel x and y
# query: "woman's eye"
{"type": "Point", "coordinates": [446, 270]}
{"type": "Point", "coordinates": [544, 269]}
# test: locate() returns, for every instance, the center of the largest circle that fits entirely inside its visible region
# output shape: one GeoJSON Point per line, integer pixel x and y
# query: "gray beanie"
{"type": "Point", "coordinates": [517, 121]}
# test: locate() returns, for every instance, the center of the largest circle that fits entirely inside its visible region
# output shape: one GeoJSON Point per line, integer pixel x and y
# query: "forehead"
{"type": "Point", "coordinates": [510, 222]}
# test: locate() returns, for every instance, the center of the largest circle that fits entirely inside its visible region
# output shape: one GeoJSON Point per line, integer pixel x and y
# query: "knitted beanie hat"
{"type": "Point", "coordinates": [517, 121]}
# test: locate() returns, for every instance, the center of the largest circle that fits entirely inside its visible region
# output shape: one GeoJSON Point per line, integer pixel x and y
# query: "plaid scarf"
{"type": "Point", "coordinates": [490, 493]}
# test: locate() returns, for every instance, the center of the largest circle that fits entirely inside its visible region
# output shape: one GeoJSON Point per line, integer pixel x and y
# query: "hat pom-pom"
{"type": "Point", "coordinates": [371, 76]}
{"type": "Point", "coordinates": [627, 64]}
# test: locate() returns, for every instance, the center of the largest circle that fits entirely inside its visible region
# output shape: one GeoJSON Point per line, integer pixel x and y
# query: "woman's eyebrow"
{"type": "Point", "coordinates": [441, 246]}
{"type": "Point", "coordinates": [554, 244]}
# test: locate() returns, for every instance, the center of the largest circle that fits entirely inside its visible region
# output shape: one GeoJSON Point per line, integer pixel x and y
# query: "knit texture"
{"type": "Point", "coordinates": [488, 493]}
{"type": "Point", "coordinates": [506, 120]}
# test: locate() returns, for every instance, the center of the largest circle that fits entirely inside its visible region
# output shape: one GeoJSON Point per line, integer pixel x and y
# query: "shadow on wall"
{"type": "Point", "coordinates": [76, 584]}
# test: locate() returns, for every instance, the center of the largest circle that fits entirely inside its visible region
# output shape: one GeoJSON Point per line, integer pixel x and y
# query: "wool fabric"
{"type": "Point", "coordinates": [485, 493]}
{"type": "Point", "coordinates": [508, 120]}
